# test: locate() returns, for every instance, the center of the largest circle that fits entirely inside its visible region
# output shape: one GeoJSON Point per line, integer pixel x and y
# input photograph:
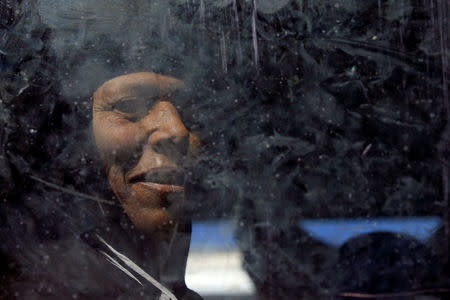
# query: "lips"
{"type": "Point", "coordinates": [165, 180]}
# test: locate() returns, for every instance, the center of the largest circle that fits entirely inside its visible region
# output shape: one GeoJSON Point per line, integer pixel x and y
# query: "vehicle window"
{"type": "Point", "coordinates": [227, 149]}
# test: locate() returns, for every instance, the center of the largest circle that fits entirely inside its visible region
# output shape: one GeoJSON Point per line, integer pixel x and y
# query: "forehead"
{"type": "Point", "coordinates": [136, 85]}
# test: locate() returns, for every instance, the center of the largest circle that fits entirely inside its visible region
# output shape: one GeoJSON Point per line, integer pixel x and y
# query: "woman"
{"type": "Point", "coordinates": [144, 146]}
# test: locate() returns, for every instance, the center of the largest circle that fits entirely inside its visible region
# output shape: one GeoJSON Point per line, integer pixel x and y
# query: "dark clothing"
{"type": "Point", "coordinates": [76, 267]}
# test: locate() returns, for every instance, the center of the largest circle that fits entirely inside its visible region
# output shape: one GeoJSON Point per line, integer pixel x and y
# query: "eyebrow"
{"type": "Point", "coordinates": [137, 85]}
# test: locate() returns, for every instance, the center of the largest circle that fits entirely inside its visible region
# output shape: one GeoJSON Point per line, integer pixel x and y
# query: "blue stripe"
{"type": "Point", "coordinates": [219, 235]}
{"type": "Point", "coordinates": [213, 236]}
{"type": "Point", "coordinates": [337, 232]}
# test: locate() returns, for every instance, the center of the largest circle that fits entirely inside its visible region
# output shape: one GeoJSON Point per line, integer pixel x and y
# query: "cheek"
{"type": "Point", "coordinates": [115, 136]}
{"type": "Point", "coordinates": [194, 141]}
{"type": "Point", "coordinates": [135, 196]}
{"type": "Point", "coordinates": [194, 144]}
{"type": "Point", "coordinates": [117, 182]}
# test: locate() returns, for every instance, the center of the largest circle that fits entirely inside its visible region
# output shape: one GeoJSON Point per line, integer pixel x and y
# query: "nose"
{"type": "Point", "coordinates": [167, 134]}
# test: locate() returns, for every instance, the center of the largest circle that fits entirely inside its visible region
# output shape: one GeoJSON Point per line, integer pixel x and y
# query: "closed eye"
{"type": "Point", "coordinates": [134, 109]}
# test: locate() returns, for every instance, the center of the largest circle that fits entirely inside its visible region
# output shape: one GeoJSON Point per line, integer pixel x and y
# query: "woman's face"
{"type": "Point", "coordinates": [144, 144]}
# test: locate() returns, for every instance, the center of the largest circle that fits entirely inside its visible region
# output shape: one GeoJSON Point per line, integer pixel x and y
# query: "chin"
{"type": "Point", "coordinates": [150, 208]}
{"type": "Point", "coordinates": [150, 211]}
{"type": "Point", "coordinates": [150, 220]}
